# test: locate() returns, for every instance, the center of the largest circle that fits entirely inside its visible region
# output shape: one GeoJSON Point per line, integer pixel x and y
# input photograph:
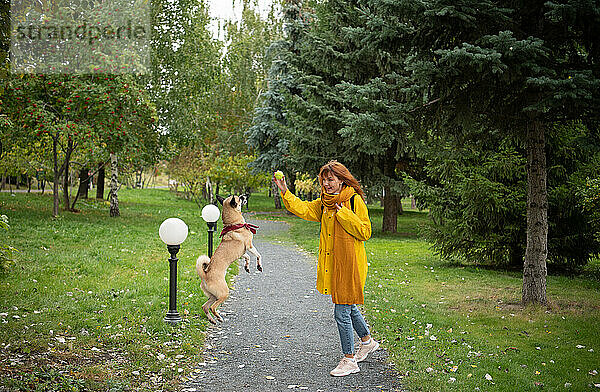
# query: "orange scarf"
{"type": "Point", "coordinates": [345, 280]}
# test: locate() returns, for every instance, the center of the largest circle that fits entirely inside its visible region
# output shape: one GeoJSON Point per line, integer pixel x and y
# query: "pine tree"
{"type": "Point", "coordinates": [345, 105]}
{"type": "Point", "coordinates": [515, 67]}
{"type": "Point", "coordinates": [265, 136]}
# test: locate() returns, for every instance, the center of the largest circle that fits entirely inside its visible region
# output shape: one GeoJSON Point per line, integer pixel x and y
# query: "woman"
{"type": "Point", "coordinates": [342, 267]}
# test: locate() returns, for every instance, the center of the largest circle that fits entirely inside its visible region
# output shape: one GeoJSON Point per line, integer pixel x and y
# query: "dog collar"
{"type": "Point", "coordinates": [248, 226]}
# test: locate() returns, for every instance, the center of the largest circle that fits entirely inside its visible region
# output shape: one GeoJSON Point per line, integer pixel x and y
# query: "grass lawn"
{"type": "Point", "coordinates": [460, 327]}
{"type": "Point", "coordinates": [82, 308]}
{"type": "Point", "coordinates": [83, 305]}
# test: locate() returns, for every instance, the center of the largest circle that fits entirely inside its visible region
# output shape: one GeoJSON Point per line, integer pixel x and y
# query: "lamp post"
{"type": "Point", "coordinates": [173, 231]}
{"type": "Point", "coordinates": [210, 214]}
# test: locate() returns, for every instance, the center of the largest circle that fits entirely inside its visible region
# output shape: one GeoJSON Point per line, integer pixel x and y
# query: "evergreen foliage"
{"type": "Point", "coordinates": [514, 68]}
{"type": "Point", "coordinates": [475, 189]}
{"type": "Point", "coordinates": [341, 102]}
{"type": "Point", "coordinates": [267, 136]}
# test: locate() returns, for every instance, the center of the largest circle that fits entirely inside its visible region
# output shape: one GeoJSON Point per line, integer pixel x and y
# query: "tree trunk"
{"type": "Point", "coordinates": [65, 171]}
{"type": "Point", "coordinates": [390, 211]}
{"type": "Point", "coordinates": [534, 269]}
{"type": "Point", "coordinates": [390, 199]}
{"type": "Point", "coordinates": [84, 183]}
{"type": "Point", "coordinates": [114, 186]}
{"type": "Point", "coordinates": [291, 182]}
{"type": "Point", "coordinates": [276, 196]}
{"type": "Point", "coordinates": [65, 185]}
{"type": "Point", "coordinates": [209, 191]}
{"type": "Point", "coordinates": [100, 182]}
{"type": "Point", "coordinates": [55, 196]}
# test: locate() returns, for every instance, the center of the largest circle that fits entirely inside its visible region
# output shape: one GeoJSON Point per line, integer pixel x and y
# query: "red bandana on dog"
{"type": "Point", "coordinates": [248, 226]}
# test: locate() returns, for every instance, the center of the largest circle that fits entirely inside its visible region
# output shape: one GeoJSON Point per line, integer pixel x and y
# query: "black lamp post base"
{"type": "Point", "coordinates": [172, 317]}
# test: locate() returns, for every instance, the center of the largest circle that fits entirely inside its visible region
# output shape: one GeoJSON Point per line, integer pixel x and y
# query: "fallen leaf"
{"type": "Point", "coordinates": [270, 377]}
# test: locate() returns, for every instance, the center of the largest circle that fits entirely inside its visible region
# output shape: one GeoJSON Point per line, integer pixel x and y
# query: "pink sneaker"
{"type": "Point", "coordinates": [366, 349]}
{"type": "Point", "coordinates": [345, 367]}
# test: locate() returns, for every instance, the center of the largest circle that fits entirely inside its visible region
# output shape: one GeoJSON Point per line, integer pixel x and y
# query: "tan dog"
{"type": "Point", "coordinates": [237, 240]}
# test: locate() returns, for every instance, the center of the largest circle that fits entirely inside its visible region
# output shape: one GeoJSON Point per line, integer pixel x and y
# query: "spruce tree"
{"type": "Point", "coordinates": [345, 106]}
{"type": "Point", "coordinates": [514, 67]}
{"type": "Point", "coordinates": [265, 136]}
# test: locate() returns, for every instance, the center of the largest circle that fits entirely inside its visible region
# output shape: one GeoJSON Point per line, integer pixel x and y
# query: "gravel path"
{"type": "Point", "coordinates": [279, 333]}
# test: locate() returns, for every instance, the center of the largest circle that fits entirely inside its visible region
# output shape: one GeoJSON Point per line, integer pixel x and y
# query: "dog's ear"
{"type": "Point", "coordinates": [220, 199]}
{"type": "Point", "coordinates": [233, 203]}
{"type": "Point", "coordinates": [244, 198]}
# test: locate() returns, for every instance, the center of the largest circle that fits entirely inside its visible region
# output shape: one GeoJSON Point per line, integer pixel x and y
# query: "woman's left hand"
{"type": "Point", "coordinates": [338, 207]}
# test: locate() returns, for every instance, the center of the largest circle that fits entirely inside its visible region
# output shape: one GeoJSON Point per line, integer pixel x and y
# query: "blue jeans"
{"type": "Point", "coordinates": [349, 319]}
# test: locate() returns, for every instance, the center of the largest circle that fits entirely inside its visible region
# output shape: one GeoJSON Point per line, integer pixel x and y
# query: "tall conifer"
{"type": "Point", "coordinates": [517, 67]}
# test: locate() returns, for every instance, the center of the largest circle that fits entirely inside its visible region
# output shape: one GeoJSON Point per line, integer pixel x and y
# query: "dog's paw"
{"type": "Point", "coordinates": [247, 269]}
{"type": "Point", "coordinates": [259, 267]}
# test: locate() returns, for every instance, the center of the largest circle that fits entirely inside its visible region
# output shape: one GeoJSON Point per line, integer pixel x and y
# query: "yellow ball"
{"type": "Point", "coordinates": [279, 174]}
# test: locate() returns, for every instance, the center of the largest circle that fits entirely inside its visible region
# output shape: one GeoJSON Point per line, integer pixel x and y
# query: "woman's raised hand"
{"type": "Point", "coordinates": [280, 182]}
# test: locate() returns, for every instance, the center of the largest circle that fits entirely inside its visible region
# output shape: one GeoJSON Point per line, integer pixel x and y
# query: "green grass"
{"type": "Point", "coordinates": [473, 315]}
{"type": "Point", "coordinates": [87, 294]}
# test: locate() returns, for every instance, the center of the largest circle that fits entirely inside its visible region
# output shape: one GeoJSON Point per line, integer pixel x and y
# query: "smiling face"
{"type": "Point", "coordinates": [331, 183]}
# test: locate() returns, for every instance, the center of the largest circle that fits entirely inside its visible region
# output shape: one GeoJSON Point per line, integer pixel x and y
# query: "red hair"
{"type": "Point", "coordinates": [341, 172]}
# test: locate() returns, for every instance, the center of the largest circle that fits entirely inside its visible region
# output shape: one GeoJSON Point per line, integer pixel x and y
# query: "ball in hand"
{"type": "Point", "coordinates": [279, 175]}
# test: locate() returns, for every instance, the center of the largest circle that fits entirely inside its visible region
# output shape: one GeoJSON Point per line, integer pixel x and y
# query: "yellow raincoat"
{"type": "Point", "coordinates": [357, 224]}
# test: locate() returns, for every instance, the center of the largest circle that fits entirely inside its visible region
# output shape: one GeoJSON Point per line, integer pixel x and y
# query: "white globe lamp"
{"type": "Point", "coordinates": [173, 231]}
{"type": "Point", "coordinates": [210, 214]}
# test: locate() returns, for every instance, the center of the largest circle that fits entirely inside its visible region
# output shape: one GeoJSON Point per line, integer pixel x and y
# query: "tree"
{"type": "Point", "coordinates": [343, 103]}
{"type": "Point", "coordinates": [186, 71]}
{"type": "Point", "coordinates": [590, 203]}
{"type": "Point", "coordinates": [475, 190]}
{"type": "Point", "coordinates": [191, 169]}
{"type": "Point", "coordinates": [515, 67]}
{"type": "Point", "coordinates": [265, 136]}
{"type": "Point", "coordinates": [79, 112]}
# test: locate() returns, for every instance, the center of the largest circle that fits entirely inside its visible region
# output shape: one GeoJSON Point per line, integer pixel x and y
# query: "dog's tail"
{"type": "Point", "coordinates": [202, 265]}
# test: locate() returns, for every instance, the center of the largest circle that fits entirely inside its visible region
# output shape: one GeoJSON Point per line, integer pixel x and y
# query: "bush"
{"type": "Point", "coordinates": [475, 190]}
{"type": "Point", "coordinates": [590, 203]}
